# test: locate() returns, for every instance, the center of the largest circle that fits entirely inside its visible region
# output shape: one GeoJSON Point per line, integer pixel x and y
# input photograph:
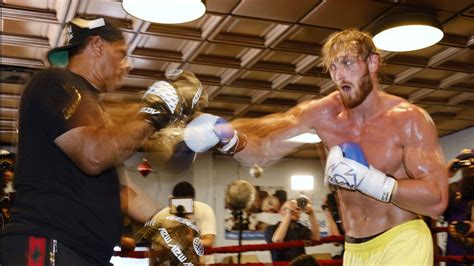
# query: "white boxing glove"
{"type": "Point", "coordinates": [208, 131]}
{"type": "Point", "coordinates": [347, 167]}
{"type": "Point", "coordinates": [199, 134]}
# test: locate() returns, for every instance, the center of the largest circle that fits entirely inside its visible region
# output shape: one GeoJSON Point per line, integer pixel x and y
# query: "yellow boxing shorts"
{"type": "Point", "coordinates": [409, 243]}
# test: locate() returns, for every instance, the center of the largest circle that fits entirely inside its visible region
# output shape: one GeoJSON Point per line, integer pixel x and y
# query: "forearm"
{"type": "Point", "coordinates": [332, 226]}
{"type": "Point", "coordinates": [315, 230]}
{"type": "Point", "coordinates": [114, 145]}
{"type": "Point", "coordinates": [281, 230]}
{"type": "Point", "coordinates": [420, 196]}
{"type": "Point", "coordinates": [267, 141]}
{"type": "Point", "coordinates": [95, 149]}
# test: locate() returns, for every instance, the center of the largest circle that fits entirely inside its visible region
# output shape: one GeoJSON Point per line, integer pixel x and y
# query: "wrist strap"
{"type": "Point", "coordinates": [236, 144]}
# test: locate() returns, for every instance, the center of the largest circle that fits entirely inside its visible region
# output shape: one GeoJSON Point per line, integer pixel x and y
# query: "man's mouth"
{"type": "Point", "coordinates": [345, 87]}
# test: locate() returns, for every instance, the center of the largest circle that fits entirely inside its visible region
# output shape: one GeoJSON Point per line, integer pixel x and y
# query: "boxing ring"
{"type": "Point", "coordinates": [236, 249]}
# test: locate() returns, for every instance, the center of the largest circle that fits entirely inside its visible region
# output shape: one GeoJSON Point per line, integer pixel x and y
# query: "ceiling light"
{"type": "Point", "coordinates": [309, 137]}
{"type": "Point", "coordinates": [407, 32]}
{"type": "Point", "coordinates": [165, 11]}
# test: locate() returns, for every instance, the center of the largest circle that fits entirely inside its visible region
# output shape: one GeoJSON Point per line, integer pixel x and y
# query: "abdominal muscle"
{"type": "Point", "coordinates": [363, 216]}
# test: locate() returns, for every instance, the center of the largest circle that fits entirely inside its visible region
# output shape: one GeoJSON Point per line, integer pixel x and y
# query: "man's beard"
{"type": "Point", "coordinates": [365, 87]}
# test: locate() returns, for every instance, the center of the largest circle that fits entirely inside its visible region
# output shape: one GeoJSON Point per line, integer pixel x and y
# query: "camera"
{"type": "Point", "coordinates": [464, 228]}
{"type": "Point", "coordinates": [461, 164]}
{"type": "Point", "coordinates": [181, 206]}
{"type": "Point", "coordinates": [302, 201]}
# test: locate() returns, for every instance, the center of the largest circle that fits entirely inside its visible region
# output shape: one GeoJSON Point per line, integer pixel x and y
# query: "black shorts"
{"type": "Point", "coordinates": [19, 250]}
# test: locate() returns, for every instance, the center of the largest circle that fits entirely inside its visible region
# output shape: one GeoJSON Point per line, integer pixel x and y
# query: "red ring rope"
{"type": "Point", "coordinates": [288, 244]}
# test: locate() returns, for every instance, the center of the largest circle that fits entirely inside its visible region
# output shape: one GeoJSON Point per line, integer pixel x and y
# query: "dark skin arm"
{"type": "Point", "coordinates": [94, 149]}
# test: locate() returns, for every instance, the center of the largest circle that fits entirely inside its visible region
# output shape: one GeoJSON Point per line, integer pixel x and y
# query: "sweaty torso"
{"type": "Point", "coordinates": [381, 138]}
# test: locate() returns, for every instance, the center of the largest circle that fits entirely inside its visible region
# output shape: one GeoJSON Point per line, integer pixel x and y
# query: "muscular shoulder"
{"type": "Point", "coordinates": [49, 81]}
{"type": "Point", "coordinates": [408, 112]}
{"type": "Point", "coordinates": [413, 120]}
{"type": "Point", "coordinates": [329, 105]}
{"type": "Point", "coordinates": [52, 75]}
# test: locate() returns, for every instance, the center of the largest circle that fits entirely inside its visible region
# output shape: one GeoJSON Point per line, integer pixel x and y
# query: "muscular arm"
{"type": "Point", "coordinates": [426, 190]}
{"type": "Point", "coordinates": [94, 149]}
{"type": "Point", "coordinates": [266, 136]}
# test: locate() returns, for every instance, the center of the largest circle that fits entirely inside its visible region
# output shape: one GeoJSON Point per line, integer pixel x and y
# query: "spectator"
{"type": "Point", "coordinates": [7, 193]}
{"type": "Point", "coordinates": [290, 229]}
{"type": "Point", "coordinates": [203, 216]}
{"type": "Point", "coordinates": [304, 260]}
{"type": "Point", "coordinates": [461, 203]}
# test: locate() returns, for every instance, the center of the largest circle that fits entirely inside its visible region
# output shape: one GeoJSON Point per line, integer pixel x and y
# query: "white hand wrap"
{"type": "Point", "coordinates": [231, 144]}
{"type": "Point", "coordinates": [349, 174]}
{"type": "Point", "coordinates": [199, 134]}
{"type": "Point", "coordinates": [377, 184]}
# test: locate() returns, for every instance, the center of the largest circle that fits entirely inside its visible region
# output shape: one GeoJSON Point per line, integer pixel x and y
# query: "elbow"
{"type": "Point", "coordinates": [91, 170]}
{"type": "Point", "coordinates": [91, 166]}
{"type": "Point", "coordinates": [439, 209]}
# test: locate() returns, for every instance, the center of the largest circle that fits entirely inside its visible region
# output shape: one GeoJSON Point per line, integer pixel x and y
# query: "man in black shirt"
{"type": "Point", "coordinates": [290, 229]}
{"type": "Point", "coordinates": [67, 206]}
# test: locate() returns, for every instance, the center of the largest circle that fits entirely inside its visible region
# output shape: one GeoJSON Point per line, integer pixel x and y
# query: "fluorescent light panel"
{"type": "Point", "coordinates": [302, 182]}
{"type": "Point", "coordinates": [306, 138]}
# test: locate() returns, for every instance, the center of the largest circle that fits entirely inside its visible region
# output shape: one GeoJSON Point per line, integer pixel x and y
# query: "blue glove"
{"type": "Point", "coordinates": [348, 168]}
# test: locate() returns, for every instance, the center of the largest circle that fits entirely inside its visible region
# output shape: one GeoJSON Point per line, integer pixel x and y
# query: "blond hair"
{"type": "Point", "coordinates": [349, 41]}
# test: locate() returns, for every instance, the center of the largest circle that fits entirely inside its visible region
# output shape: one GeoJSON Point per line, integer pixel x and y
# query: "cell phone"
{"type": "Point", "coordinates": [181, 205]}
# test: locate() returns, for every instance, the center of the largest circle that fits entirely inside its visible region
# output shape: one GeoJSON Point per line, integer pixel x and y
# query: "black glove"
{"type": "Point", "coordinates": [194, 96]}
{"type": "Point", "coordinates": [162, 104]}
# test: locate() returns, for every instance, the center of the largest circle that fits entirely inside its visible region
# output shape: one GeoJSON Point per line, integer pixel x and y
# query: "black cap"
{"type": "Point", "coordinates": [77, 32]}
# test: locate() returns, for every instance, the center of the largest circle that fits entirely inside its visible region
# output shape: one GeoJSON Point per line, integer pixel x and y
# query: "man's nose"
{"type": "Point", "coordinates": [339, 74]}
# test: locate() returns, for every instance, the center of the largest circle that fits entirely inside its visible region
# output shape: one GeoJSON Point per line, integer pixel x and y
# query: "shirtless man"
{"type": "Point", "coordinates": [405, 177]}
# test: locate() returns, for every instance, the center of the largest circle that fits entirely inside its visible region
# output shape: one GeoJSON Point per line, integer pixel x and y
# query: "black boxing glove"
{"type": "Point", "coordinates": [194, 96]}
{"type": "Point", "coordinates": [161, 104]}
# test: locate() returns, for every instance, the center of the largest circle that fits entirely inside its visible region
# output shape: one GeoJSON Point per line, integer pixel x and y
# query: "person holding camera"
{"type": "Point", "coordinates": [460, 214]}
{"type": "Point", "coordinates": [202, 215]}
{"type": "Point", "coordinates": [289, 229]}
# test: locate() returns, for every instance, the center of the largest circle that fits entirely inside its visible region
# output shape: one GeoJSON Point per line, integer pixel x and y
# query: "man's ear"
{"type": "Point", "coordinates": [373, 61]}
{"type": "Point", "coordinates": [96, 45]}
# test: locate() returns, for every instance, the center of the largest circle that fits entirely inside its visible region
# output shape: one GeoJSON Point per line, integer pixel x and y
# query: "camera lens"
{"type": "Point", "coordinates": [302, 202]}
{"type": "Point", "coordinates": [462, 228]}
